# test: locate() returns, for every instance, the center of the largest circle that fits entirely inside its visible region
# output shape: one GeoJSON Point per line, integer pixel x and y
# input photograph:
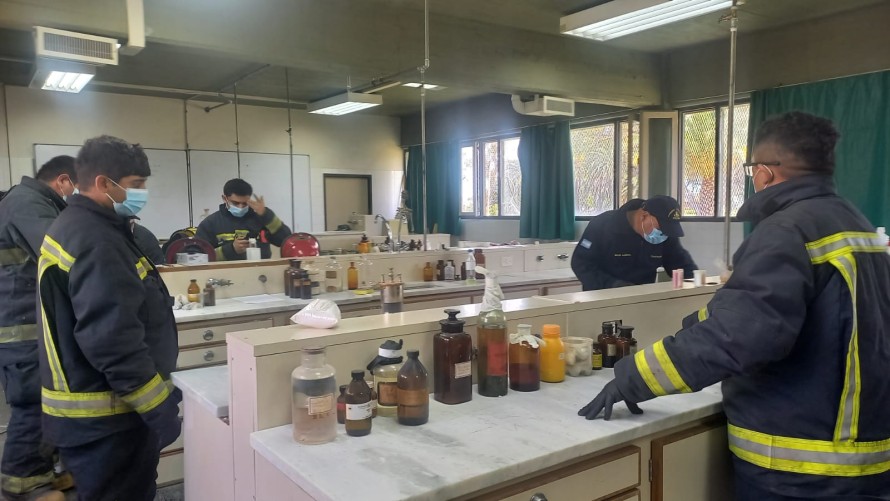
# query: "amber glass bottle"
{"type": "Point", "coordinates": [608, 344]}
{"type": "Point", "coordinates": [358, 406]}
{"type": "Point", "coordinates": [627, 345]}
{"type": "Point", "coordinates": [429, 273]}
{"type": "Point", "coordinates": [352, 277]}
{"type": "Point", "coordinates": [440, 270]}
{"type": "Point", "coordinates": [194, 292]}
{"type": "Point", "coordinates": [452, 362]}
{"type": "Point", "coordinates": [525, 360]}
{"type": "Point", "coordinates": [341, 405]}
{"type": "Point", "coordinates": [413, 392]}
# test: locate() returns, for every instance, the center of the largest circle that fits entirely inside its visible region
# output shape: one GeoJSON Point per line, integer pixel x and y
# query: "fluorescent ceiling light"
{"type": "Point", "coordinates": [425, 86]}
{"type": "Point", "coordinates": [62, 76]}
{"type": "Point", "coordinates": [623, 17]}
{"type": "Point", "coordinates": [345, 103]}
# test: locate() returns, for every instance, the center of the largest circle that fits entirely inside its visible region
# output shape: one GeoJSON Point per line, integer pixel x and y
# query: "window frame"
{"type": "Point", "coordinates": [478, 146]}
{"type": "Point", "coordinates": [716, 107]}
{"type": "Point", "coordinates": [616, 157]}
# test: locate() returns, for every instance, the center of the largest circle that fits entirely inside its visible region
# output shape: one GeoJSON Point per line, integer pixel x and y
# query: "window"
{"type": "Point", "coordinates": [599, 156]}
{"type": "Point", "coordinates": [702, 184]}
{"type": "Point", "coordinates": [491, 179]}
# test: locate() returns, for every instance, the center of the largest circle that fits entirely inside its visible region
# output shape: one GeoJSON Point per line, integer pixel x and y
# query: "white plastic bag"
{"type": "Point", "coordinates": [320, 314]}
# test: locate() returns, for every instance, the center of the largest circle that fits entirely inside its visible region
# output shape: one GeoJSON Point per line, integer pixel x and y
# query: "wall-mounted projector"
{"type": "Point", "coordinates": [544, 106]}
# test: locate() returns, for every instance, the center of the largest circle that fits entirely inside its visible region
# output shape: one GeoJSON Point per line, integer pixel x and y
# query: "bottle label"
{"type": "Point", "coordinates": [597, 360]}
{"type": "Point", "coordinates": [463, 369]}
{"type": "Point", "coordinates": [413, 398]}
{"type": "Point", "coordinates": [611, 350]}
{"type": "Point", "coordinates": [388, 394]}
{"type": "Point", "coordinates": [357, 412]}
{"type": "Point", "coordinates": [562, 355]}
{"type": "Point", "coordinates": [321, 405]}
{"type": "Point", "coordinates": [497, 359]}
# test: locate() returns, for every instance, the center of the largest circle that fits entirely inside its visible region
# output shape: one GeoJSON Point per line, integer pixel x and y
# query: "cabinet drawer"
{"type": "Point", "coordinates": [598, 478]}
{"type": "Point", "coordinates": [216, 333]}
{"type": "Point", "coordinates": [547, 259]}
{"type": "Point", "coordinates": [210, 355]}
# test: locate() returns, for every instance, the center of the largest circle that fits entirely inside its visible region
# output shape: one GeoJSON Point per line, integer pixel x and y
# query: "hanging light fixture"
{"type": "Point", "coordinates": [623, 17]}
{"type": "Point", "coordinates": [348, 102]}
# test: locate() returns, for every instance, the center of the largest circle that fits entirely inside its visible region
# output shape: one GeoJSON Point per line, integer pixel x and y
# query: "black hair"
{"type": "Point", "coordinates": [111, 157]}
{"type": "Point", "coordinates": [808, 137]}
{"type": "Point", "coordinates": [238, 187]}
{"type": "Point", "coordinates": [55, 167]}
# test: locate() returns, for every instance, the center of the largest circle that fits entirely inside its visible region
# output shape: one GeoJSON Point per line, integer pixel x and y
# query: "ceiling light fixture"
{"type": "Point", "coordinates": [62, 76]}
{"type": "Point", "coordinates": [416, 85]}
{"type": "Point", "coordinates": [623, 17]}
{"type": "Point", "coordinates": [347, 102]}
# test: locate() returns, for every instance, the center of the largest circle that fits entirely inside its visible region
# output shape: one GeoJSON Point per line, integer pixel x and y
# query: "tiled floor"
{"type": "Point", "coordinates": [170, 493]}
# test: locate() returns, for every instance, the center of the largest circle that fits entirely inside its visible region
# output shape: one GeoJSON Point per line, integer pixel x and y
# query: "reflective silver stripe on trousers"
{"type": "Point", "coordinates": [774, 452]}
{"type": "Point", "coordinates": [15, 333]}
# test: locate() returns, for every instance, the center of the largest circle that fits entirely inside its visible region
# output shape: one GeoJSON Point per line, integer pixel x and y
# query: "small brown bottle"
{"type": "Point", "coordinates": [373, 398]}
{"type": "Point", "coordinates": [627, 345]}
{"type": "Point", "coordinates": [440, 270]}
{"type": "Point", "coordinates": [352, 277]}
{"type": "Point", "coordinates": [209, 294]}
{"type": "Point", "coordinates": [452, 362]}
{"type": "Point", "coordinates": [413, 392]}
{"type": "Point", "coordinates": [194, 292]}
{"type": "Point", "coordinates": [358, 406]}
{"type": "Point", "coordinates": [596, 357]}
{"type": "Point", "coordinates": [429, 274]}
{"type": "Point", "coordinates": [608, 344]}
{"type": "Point", "coordinates": [341, 405]}
{"type": "Point", "coordinates": [480, 261]}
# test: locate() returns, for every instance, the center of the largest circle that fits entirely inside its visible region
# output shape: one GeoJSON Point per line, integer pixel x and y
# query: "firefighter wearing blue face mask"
{"type": "Point", "coordinates": [240, 218]}
{"type": "Point", "coordinates": [626, 246]}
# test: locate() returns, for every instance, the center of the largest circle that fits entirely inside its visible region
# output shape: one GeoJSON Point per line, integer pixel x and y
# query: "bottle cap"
{"type": "Point", "coordinates": [609, 328]}
{"type": "Point", "coordinates": [358, 374]}
{"type": "Point", "coordinates": [413, 353]}
{"type": "Point", "coordinates": [452, 324]}
{"type": "Point", "coordinates": [550, 330]}
{"type": "Point", "coordinates": [524, 329]}
{"type": "Point", "coordinates": [626, 331]}
{"type": "Point", "coordinates": [342, 388]}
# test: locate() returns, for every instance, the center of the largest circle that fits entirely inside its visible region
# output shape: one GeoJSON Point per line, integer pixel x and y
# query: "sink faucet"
{"type": "Point", "coordinates": [392, 243]}
{"type": "Point", "coordinates": [218, 282]}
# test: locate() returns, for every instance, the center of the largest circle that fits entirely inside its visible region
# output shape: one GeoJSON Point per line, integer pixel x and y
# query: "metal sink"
{"type": "Point", "coordinates": [419, 286]}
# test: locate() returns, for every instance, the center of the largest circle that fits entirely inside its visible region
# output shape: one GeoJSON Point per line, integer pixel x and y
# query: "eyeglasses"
{"type": "Point", "coordinates": [749, 166]}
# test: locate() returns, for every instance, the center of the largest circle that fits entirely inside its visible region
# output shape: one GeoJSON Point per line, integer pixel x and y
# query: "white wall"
{"type": "Point", "coordinates": [364, 144]}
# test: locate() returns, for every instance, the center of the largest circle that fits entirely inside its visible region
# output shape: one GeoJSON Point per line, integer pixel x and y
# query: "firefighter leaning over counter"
{"type": "Point", "coordinates": [26, 212]}
{"type": "Point", "coordinates": [109, 339]}
{"type": "Point", "coordinates": [799, 335]}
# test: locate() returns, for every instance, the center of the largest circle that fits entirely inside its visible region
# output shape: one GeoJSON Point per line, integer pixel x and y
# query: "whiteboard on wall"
{"type": "Point", "coordinates": [268, 173]}
{"type": "Point", "coordinates": [167, 209]}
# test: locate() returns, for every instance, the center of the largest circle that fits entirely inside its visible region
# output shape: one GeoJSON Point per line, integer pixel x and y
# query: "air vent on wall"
{"type": "Point", "coordinates": [544, 106]}
{"type": "Point", "coordinates": [72, 46]}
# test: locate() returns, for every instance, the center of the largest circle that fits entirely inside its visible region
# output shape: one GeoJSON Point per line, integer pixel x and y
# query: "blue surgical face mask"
{"type": "Point", "coordinates": [238, 211]}
{"type": "Point", "coordinates": [135, 201]}
{"type": "Point", "coordinates": [655, 236]}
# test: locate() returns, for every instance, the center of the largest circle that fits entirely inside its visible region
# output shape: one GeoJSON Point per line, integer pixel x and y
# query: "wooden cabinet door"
{"type": "Point", "coordinates": [692, 465]}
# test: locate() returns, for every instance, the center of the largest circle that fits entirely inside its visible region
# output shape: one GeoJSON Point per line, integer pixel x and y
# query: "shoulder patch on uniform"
{"type": "Point", "coordinates": [585, 243]}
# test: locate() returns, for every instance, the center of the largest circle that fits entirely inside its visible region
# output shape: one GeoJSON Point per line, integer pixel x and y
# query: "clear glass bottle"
{"type": "Point", "coordinates": [452, 362]}
{"type": "Point", "coordinates": [365, 282]}
{"type": "Point", "coordinates": [525, 360]}
{"type": "Point", "coordinates": [315, 278]}
{"type": "Point", "coordinates": [413, 392]}
{"type": "Point", "coordinates": [449, 271]}
{"type": "Point", "coordinates": [313, 407]}
{"type": "Point", "coordinates": [352, 276]}
{"type": "Point", "coordinates": [469, 273]}
{"type": "Point", "coordinates": [358, 406]}
{"type": "Point", "coordinates": [385, 368]}
{"type": "Point", "coordinates": [333, 276]}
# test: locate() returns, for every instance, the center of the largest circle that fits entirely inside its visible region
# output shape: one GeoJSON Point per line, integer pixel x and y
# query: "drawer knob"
{"type": "Point", "coordinates": [539, 258]}
{"type": "Point", "coordinates": [562, 257]}
{"type": "Point", "coordinates": [538, 496]}
{"type": "Point", "coordinates": [209, 355]}
{"type": "Point", "coordinates": [208, 335]}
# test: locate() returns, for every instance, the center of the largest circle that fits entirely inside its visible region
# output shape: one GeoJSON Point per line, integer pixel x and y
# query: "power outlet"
{"type": "Point", "coordinates": [506, 261]}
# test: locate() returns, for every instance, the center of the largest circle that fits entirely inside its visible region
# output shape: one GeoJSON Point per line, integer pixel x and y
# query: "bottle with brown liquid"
{"type": "Point", "coordinates": [373, 399]}
{"type": "Point", "coordinates": [429, 273]}
{"type": "Point", "coordinates": [479, 257]}
{"type": "Point", "coordinates": [627, 345]}
{"type": "Point", "coordinates": [491, 339]}
{"type": "Point", "coordinates": [194, 292]}
{"type": "Point", "coordinates": [385, 368]}
{"type": "Point", "coordinates": [452, 362]}
{"type": "Point", "coordinates": [440, 270]}
{"type": "Point", "coordinates": [525, 360]}
{"type": "Point", "coordinates": [358, 406]}
{"type": "Point", "coordinates": [413, 392]}
{"type": "Point", "coordinates": [313, 404]}
{"type": "Point", "coordinates": [608, 346]}
{"type": "Point", "coordinates": [596, 357]}
{"type": "Point", "coordinates": [352, 277]}
{"type": "Point", "coordinates": [288, 277]}
{"type": "Point", "coordinates": [341, 405]}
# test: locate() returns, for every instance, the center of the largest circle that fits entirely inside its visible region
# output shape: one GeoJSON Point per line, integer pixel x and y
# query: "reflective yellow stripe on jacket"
{"type": "Point", "coordinates": [839, 250]}
{"type": "Point", "coordinates": [105, 403]}
{"type": "Point", "coordinates": [52, 254]}
{"type": "Point", "coordinates": [703, 314]}
{"type": "Point", "coordinates": [815, 457]}
{"type": "Point", "coordinates": [659, 372]}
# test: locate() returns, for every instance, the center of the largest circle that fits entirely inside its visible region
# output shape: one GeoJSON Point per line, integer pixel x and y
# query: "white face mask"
{"type": "Point", "coordinates": [755, 176]}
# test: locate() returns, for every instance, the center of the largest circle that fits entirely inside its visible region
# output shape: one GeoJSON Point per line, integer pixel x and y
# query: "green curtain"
{"type": "Point", "coordinates": [548, 187]}
{"type": "Point", "coordinates": [442, 187]}
{"type": "Point", "coordinates": [859, 106]}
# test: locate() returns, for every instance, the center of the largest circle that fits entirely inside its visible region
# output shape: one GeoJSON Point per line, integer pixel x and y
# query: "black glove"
{"type": "Point", "coordinates": [164, 420]}
{"type": "Point", "coordinates": [610, 396]}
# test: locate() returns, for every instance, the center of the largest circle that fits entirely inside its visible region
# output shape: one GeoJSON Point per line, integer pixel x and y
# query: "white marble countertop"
{"type": "Point", "coordinates": [472, 446]}
{"type": "Point", "coordinates": [209, 386]}
{"type": "Point", "coordinates": [228, 308]}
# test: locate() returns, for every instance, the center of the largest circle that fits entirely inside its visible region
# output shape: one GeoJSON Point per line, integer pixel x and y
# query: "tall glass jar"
{"type": "Point", "coordinates": [491, 340]}
{"type": "Point", "coordinates": [525, 360]}
{"type": "Point", "coordinates": [313, 403]}
{"type": "Point", "coordinates": [452, 362]}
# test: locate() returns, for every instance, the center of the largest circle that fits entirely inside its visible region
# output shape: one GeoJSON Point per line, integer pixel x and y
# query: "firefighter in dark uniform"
{"type": "Point", "coordinates": [109, 340]}
{"type": "Point", "coordinates": [799, 335]}
{"type": "Point", "coordinates": [626, 246]}
{"type": "Point", "coordinates": [26, 212]}
{"type": "Point", "coordinates": [239, 219]}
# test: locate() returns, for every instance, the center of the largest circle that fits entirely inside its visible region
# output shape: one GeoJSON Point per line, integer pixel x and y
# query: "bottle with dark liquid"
{"type": "Point", "coordinates": [413, 392]}
{"type": "Point", "coordinates": [341, 405]}
{"type": "Point", "coordinates": [305, 285]}
{"type": "Point", "coordinates": [608, 346]}
{"type": "Point", "coordinates": [525, 360]}
{"type": "Point", "coordinates": [627, 345]}
{"type": "Point", "coordinates": [313, 403]}
{"type": "Point", "coordinates": [288, 277]}
{"type": "Point", "coordinates": [194, 292]}
{"type": "Point", "coordinates": [491, 340]}
{"type": "Point", "coordinates": [358, 406]}
{"type": "Point", "coordinates": [479, 257]}
{"type": "Point", "coordinates": [452, 362]}
{"type": "Point", "coordinates": [440, 270]}
{"type": "Point", "coordinates": [352, 277]}
{"type": "Point", "coordinates": [429, 273]}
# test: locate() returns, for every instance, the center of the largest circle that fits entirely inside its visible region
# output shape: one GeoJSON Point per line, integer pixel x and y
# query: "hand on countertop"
{"type": "Point", "coordinates": [603, 402]}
